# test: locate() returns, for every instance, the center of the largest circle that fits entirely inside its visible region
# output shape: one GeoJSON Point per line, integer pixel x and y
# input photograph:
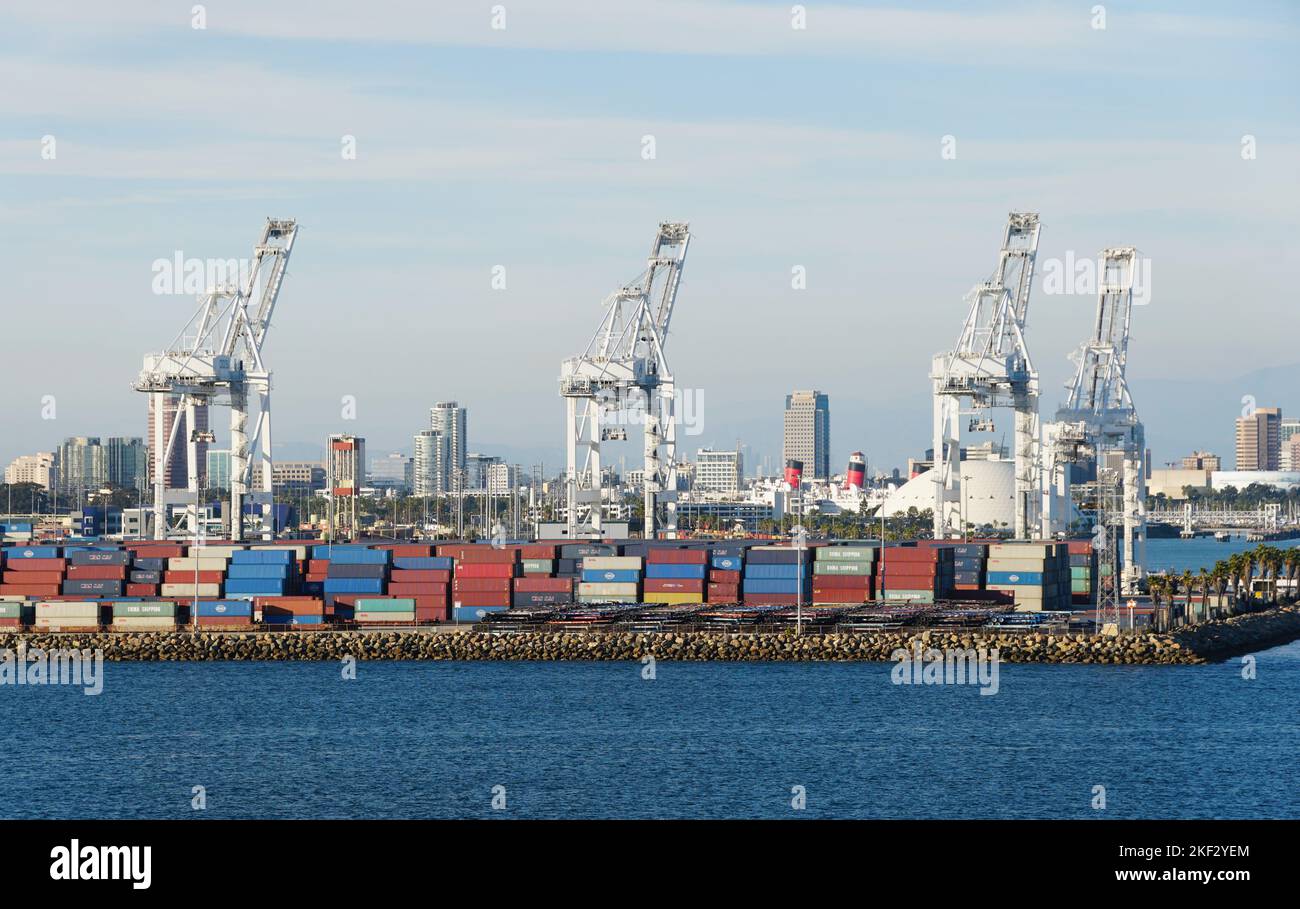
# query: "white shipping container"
{"type": "Point", "coordinates": [610, 563]}
{"type": "Point", "coordinates": [1024, 550]}
{"type": "Point", "coordinates": [188, 590]}
{"type": "Point", "coordinates": [205, 563]}
{"type": "Point", "coordinates": [1019, 565]}
{"type": "Point", "coordinates": [407, 618]}
{"type": "Point", "coordinates": [214, 551]}
{"type": "Point", "coordinates": [67, 610]}
{"type": "Point", "coordinates": [591, 589]}
{"type": "Point", "coordinates": [145, 621]}
{"type": "Point", "coordinates": [69, 621]}
{"type": "Point", "coordinates": [299, 552]}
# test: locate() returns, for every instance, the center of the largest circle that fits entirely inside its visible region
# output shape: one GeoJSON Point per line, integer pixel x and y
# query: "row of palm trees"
{"type": "Point", "coordinates": [1237, 572]}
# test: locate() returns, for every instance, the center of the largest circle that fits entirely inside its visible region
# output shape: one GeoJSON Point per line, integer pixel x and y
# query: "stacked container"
{"type": "Point", "coordinates": [153, 616]}
{"type": "Point", "coordinates": [353, 569]}
{"type": "Point", "coordinates": [777, 576]}
{"type": "Point", "coordinates": [290, 611]}
{"type": "Point", "coordinates": [426, 578]}
{"type": "Point", "coordinates": [675, 576]}
{"type": "Point", "coordinates": [260, 573]}
{"type": "Point", "coordinates": [969, 564]}
{"type": "Point", "coordinates": [843, 574]}
{"type": "Point", "coordinates": [1036, 574]}
{"type": "Point", "coordinates": [725, 566]}
{"type": "Point", "coordinates": [225, 614]}
{"type": "Point", "coordinates": [915, 573]}
{"type": "Point", "coordinates": [384, 610]}
{"type": "Point", "coordinates": [198, 574]}
{"type": "Point", "coordinates": [33, 571]}
{"type": "Point", "coordinates": [610, 579]}
{"type": "Point", "coordinates": [1083, 573]}
{"type": "Point", "coordinates": [66, 616]}
{"type": "Point", "coordinates": [483, 581]}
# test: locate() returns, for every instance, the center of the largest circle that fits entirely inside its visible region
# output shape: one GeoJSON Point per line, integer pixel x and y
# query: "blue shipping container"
{"type": "Point", "coordinates": [241, 608]}
{"type": "Point", "coordinates": [727, 562]}
{"type": "Point", "coordinates": [255, 586]}
{"type": "Point", "coordinates": [473, 613]}
{"type": "Point", "coordinates": [668, 570]}
{"type": "Point", "coordinates": [611, 575]}
{"type": "Point", "coordinates": [274, 572]}
{"type": "Point", "coordinates": [262, 557]}
{"type": "Point", "coordinates": [354, 585]}
{"type": "Point", "coordinates": [33, 552]}
{"type": "Point", "coordinates": [775, 585]}
{"type": "Point", "coordinates": [1026, 578]}
{"type": "Point", "coordinates": [777, 571]}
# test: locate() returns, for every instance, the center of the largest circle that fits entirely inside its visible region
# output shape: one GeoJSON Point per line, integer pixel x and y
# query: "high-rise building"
{"type": "Point", "coordinates": [808, 432]}
{"type": "Point", "coordinates": [1259, 439]}
{"type": "Point", "coordinates": [431, 471]}
{"type": "Point", "coordinates": [1288, 431]}
{"type": "Point", "coordinates": [718, 471]}
{"type": "Point", "coordinates": [477, 467]}
{"type": "Point", "coordinates": [346, 467]}
{"type": "Point", "coordinates": [40, 468]}
{"type": "Point", "coordinates": [126, 462]}
{"type": "Point", "coordinates": [1202, 460]}
{"type": "Point", "coordinates": [448, 418]}
{"type": "Point", "coordinates": [175, 472]}
{"type": "Point", "coordinates": [501, 478]}
{"type": "Point", "coordinates": [218, 472]}
{"type": "Point", "coordinates": [81, 464]}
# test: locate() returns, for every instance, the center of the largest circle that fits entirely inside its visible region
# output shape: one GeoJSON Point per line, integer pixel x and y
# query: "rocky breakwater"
{"type": "Point", "coordinates": [1242, 633]}
{"type": "Point", "coordinates": [697, 646]}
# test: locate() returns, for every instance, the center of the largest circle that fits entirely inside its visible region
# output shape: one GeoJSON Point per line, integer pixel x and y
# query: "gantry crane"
{"type": "Point", "coordinates": [1099, 421]}
{"type": "Point", "coordinates": [217, 359]}
{"type": "Point", "coordinates": [990, 367]}
{"type": "Point", "coordinates": [625, 371]}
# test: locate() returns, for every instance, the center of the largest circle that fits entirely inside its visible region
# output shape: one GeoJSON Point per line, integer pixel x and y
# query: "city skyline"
{"type": "Point", "coordinates": [850, 186]}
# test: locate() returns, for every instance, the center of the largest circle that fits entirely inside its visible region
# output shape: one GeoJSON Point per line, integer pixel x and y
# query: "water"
{"type": "Point", "coordinates": [1178, 555]}
{"type": "Point", "coordinates": [591, 740]}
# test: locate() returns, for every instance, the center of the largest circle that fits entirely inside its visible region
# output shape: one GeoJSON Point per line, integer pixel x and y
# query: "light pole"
{"type": "Point", "coordinates": [198, 435]}
{"type": "Point", "coordinates": [800, 539]}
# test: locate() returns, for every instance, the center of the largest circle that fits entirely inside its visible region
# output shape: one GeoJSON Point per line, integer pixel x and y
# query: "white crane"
{"type": "Point", "coordinates": [625, 370]}
{"type": "Point", "coordinates": [990, 366]}
{"type": "Point", "coordinates": [217, 359]}
{"type": "Point", "coordinates": [1099, 421]}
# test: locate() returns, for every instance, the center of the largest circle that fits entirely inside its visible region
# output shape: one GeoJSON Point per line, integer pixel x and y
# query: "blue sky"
{"type": "Point", "coordinates": [521, 147]}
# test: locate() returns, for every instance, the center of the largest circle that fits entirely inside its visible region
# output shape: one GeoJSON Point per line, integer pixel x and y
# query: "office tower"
{"type": "Point", "coordinates": [718, 471]}
{"type": "Point", "coordinates": [1259, 439]}
{"type": "Point", "coordinates": [448, 418]}
{"type": "Point", "coordinates": [808, 432]}
{"type": "Point", "coordinates": [81, 464]}
{"type": "Point", "coordinates": [176, 476]}
{"type": "Point", "coordinates": [126, 462]}
{"type": "Point", "coordinates": [431, 471]}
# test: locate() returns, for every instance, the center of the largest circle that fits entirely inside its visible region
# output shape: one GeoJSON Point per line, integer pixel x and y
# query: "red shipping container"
{"type": "Point", "coordinates": [908, 554]}
{"type": "Point", "coordinates": [537, 551]}
{"type": "Point", "coordinates": [722, 576]}
{"type": "Point", "coordinates": [481, 585]}
{"type": "Point", "coordinates": [408, 551]}
{"type": "Point", "coordinates": [543, 585]}
{"type": "Point", "coordinates": [316, 566]}
{"type": "Point", "coordinates": [431, 613]}
{"type": "Point", "coordinates": [922, 569]}
{"type": "Point", "coordinates": [674, 585]}
{"type": "Point", "coordinates": [475, 598]}
{"type": "Point", "coordinates": [96, 573]}
{"type": "Point", "coordinates": [848, 581]}
{"type": "Point", "coordinates": [11, 623]}
{"type": "Point", "coordinates": [157, 552]}
{"type": "Point", "coordinates": [31, 590]}
{"type": "Point", "coordinates": [142, 590]}
{"type": "Point", "coordinates": [13, 564]}
{"type": "Point", "coordinates": [412, 590]}
{"type": "Point", "coordinates": [188, 577]}
{"type": "Point", "coordinates": [33, 577]}
{"type": "Point", "coordinates": [485, 570]}
{"type": "Point", "coordinates": [478, 555]}
{"type": "Point", "coordinates": [678, 556]}
{"type": "Point", "coordinates": [837, 597]}
{"type": "Point", "coordinates": [724, 593]}
{"type": "Point", "coordinates": [420, 576]}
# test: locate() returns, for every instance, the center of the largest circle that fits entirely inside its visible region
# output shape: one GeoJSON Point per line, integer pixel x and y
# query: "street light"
{"type": "Point", "coordinates": [198, 435]}
{"type": "Point", "coordinates": [799, 537]}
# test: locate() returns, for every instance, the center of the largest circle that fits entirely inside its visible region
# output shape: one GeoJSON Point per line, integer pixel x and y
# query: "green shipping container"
{"type": "Point", "coordinates": [143, 609]}
{"type": "Point", "coordinates": [845, 567]}
{"type": "Point", "coordinates": [11, 610]}
{"type": "Point", "coordinates": [846, 554]}
{"type": "Point", "coordinates": [539, 566]}
{"type": "Point", "coordinates": [374, 604]}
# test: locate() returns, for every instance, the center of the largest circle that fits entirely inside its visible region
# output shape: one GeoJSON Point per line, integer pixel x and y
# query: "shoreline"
{"type": "Point", "coordinates": [1204, 643]}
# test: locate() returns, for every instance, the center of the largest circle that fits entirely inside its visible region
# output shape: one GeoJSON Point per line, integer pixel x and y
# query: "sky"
{"type": "Point", "coordinates": [878, 148]}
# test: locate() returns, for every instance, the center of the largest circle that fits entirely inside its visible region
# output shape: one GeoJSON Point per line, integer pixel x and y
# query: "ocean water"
{"type": "Point", "coordinates": [596, 740]}
{"type": "Point", "coordinates": [1175, 555]}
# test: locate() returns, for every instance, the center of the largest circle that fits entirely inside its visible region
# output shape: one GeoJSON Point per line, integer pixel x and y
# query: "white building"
{"type": "Point", "coordinates": [40, 468]}
{"type": "Point", "coordinates": [718, 471]}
